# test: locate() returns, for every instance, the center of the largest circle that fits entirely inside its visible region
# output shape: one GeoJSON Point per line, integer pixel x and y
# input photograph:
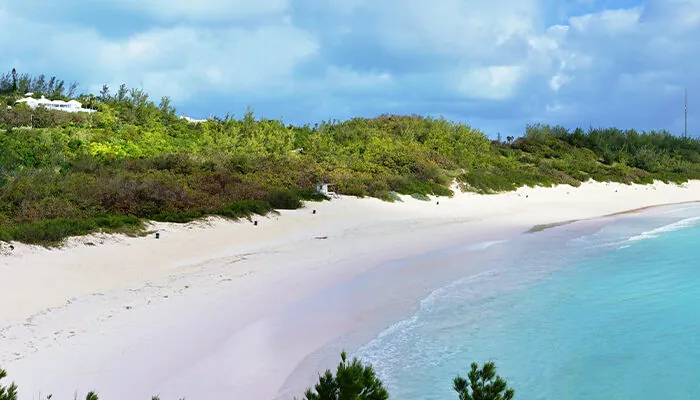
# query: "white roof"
{"type": "Point", "coordinates": [70, 106]}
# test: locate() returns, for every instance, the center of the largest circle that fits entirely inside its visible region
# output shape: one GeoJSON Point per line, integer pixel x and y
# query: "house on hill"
{"type": "Point", "coordinates": [192, 120]}
{"type": "Point", "coordinates": [57, 105]}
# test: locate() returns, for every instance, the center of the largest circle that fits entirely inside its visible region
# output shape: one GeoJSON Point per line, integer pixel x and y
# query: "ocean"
{"type": "Point", "coordinates": [606, 309]}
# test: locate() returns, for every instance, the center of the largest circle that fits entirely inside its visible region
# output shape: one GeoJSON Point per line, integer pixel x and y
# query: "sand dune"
{"type": "Point", "coordinates": [220, 309]}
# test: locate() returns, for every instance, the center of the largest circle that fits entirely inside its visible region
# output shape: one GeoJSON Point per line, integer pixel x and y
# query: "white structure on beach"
{"type": "Point", "coordinates": [192, 120]}
{"type": "Point", "coordinates": [58, 105]}
{"type": "Point", "coordinates": [322, 188]}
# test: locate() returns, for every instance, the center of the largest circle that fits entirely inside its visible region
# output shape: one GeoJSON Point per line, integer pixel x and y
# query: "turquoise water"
{"type": "Point", "coordinates": [608, 311]}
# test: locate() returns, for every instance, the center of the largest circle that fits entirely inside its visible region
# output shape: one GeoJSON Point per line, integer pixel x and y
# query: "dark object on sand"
{"type": "Point", "coordinates": [157, 235]}
{"type": "Point", "coordinates": [12, 247]}
{"type": "Point", "coordinates": [255, 223]}
{"type": "Point", "coordinates": [313, 212]}
{"type": "Point", "coordinates": [321, 237]}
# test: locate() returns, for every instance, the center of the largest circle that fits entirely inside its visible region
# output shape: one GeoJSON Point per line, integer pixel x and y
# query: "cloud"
{"type": "Point", "coordinates": [202, 10]}
{"type": "Point", "coordinates": [181, 61]}
{"type": "Point", "coordinates": [455, 29]}
{"type": "Point", "coordinates": [490, 83]}
{"type": "Point", "coordinates": [347, 79]}
{"type": "Point", "coordinates": [501, 63]}
{"type": "Point", "coordinates": [197, 59]}
{"type": "Point", "coordinates": [609, 22]}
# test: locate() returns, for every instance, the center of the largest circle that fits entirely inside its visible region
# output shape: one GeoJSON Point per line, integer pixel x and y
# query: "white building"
{"type": "Point", "coordinates": [58, 105]}
{"type": "Point", "coordinates": [192, 120]}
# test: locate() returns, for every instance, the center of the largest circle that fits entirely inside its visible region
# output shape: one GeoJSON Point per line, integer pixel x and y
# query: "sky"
{"type": "Point", "coordinates": [496, 65]}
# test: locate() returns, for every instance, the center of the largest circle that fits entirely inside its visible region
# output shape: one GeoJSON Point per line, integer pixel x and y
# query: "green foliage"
{"type": "Point", "coordinates": [420, 196]}
{"type": "Point", "coordinates": [53, 231]}
{"type": "Point", "coordinates": [11, 393]}
{"type": "Point", "coordinates": [133, 158]}
{"type": "Point", "coordinates": [284, 199]}
{"type": "Point", "coordinates": [483, 384]}
{"type": "Point", "coordinates": [393, 196]}
{"type": "Point", "coordinates": [355, 381]}
{"type": "Point", "coordinates": [7, 392]}
{"type": "Point", "coordinates": [352, 381]}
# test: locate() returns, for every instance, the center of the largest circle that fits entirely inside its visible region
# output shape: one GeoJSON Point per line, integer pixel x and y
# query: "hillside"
{"type": "Point", "coordinates": [64, 174]}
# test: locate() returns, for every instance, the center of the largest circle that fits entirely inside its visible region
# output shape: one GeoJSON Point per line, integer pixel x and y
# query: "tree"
{"type": "Point", "coordinates": [139, 98]}
{"type": "Point", "coordinates": [483, 384]}
{"type": "Point", "coordinates": [71, 89]}
{"type": "Point", "coordinates": [166, 105]}
{"type": "Point", "coordinates": [50, 86]}
{"type": "Point", "coordinates": [352, 381]}
{"type": "Point", "coordinates": [58, 89]}
{"type": "Point", "coordinates": [7, 392]}
{"type": "Point", "coordinates": [104, 93]}
{"type": "Point", "coordinates": [122, 92]}
{"type": "Point", "coordinates": [39, 84]}
{"type": "Point", "coordinates": [14, 80]}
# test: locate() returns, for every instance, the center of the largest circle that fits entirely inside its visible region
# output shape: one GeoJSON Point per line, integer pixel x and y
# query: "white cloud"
{"type": "Point", "coordinates": [558, 81]}
{"type": "Point", "coordinates": [205, 9]}
{"type": "Point", "coordinates": [470, 29]}
{"type": "Point", "coordinates": [177, 61]}
{"type": "Point", "coordinates": [368, 55]}
{"type": "Point", "coordinates": [608, 21]}
{"type": "Point", "coordinates": [349, 79]}
{"type": "Point", "coordinates": [217, 60]}
{"type": "Point", "coordinates": [490, 83]}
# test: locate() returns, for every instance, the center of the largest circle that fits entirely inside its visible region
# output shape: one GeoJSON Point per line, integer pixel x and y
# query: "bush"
{"type": "Point", "coordinates": [284, 199]}
{"type": "Point", "coordinates": [53, 231]}
{"type": "Point", "coordinates": [483, 384]}
{"type": "Point", "coordinates": [352, 381]}
{"type": "Point", "coordinates": [420, 196]}
{"type": "Point", "coordinates": [132, 158]}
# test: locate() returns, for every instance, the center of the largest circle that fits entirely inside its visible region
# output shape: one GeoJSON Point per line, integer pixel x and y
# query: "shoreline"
{"type": "Point", "coordinates": [544, 227]}
{"type": "Point", "coordinates": [194, 275]}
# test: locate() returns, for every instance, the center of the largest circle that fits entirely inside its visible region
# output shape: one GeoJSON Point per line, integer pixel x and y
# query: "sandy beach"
{"type": "Point", "coordinates": [220, 309]}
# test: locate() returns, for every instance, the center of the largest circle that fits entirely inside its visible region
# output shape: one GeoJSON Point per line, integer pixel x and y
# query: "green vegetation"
{"type": "Point", "coordinates": [7, 392]}
{"type": "Point", "coordinates": [67, 174]}
{"type": "Point", "coordinates": [352, 381]}
{"type": "Point", "coordinates": [483, 384]}
{"type": "Point", "coordinates": [355, 381]}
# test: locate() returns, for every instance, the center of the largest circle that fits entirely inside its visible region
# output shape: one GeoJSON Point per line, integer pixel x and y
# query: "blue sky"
{"type": "Point", "coordinates": [495, 64]}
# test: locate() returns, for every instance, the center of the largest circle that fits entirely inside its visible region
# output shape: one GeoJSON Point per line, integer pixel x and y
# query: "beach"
{"type": "Point", "coordinates": [221, 309]}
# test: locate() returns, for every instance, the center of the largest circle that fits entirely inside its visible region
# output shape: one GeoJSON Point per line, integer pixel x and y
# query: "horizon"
{"type": "Point", "coordinates": [495, 66]}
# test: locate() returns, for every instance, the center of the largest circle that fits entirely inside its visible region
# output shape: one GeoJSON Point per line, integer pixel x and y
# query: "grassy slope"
{"type": "Point", "coordinates": [76, 173]}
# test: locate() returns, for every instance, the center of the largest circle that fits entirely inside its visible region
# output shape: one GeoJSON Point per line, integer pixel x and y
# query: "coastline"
{"type": "Point", "coordinates": [543, 227]}
{"type": "Point", "coordinates": [110, 298]}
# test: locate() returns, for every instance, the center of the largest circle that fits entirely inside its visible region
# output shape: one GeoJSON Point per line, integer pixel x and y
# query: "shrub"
{"type": "Point", "coordinates": [420, 196]}
{"type": "Point", "coordinates": [483, 384]}
{"type": "Point", "coordinates": [53, 231]}
{"type": "Point", "coordinates": [284, 199]}
{"type": "Point", "coordinates": [352, 381]}
{"type": "Point", "coordinates": [7, 392]}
